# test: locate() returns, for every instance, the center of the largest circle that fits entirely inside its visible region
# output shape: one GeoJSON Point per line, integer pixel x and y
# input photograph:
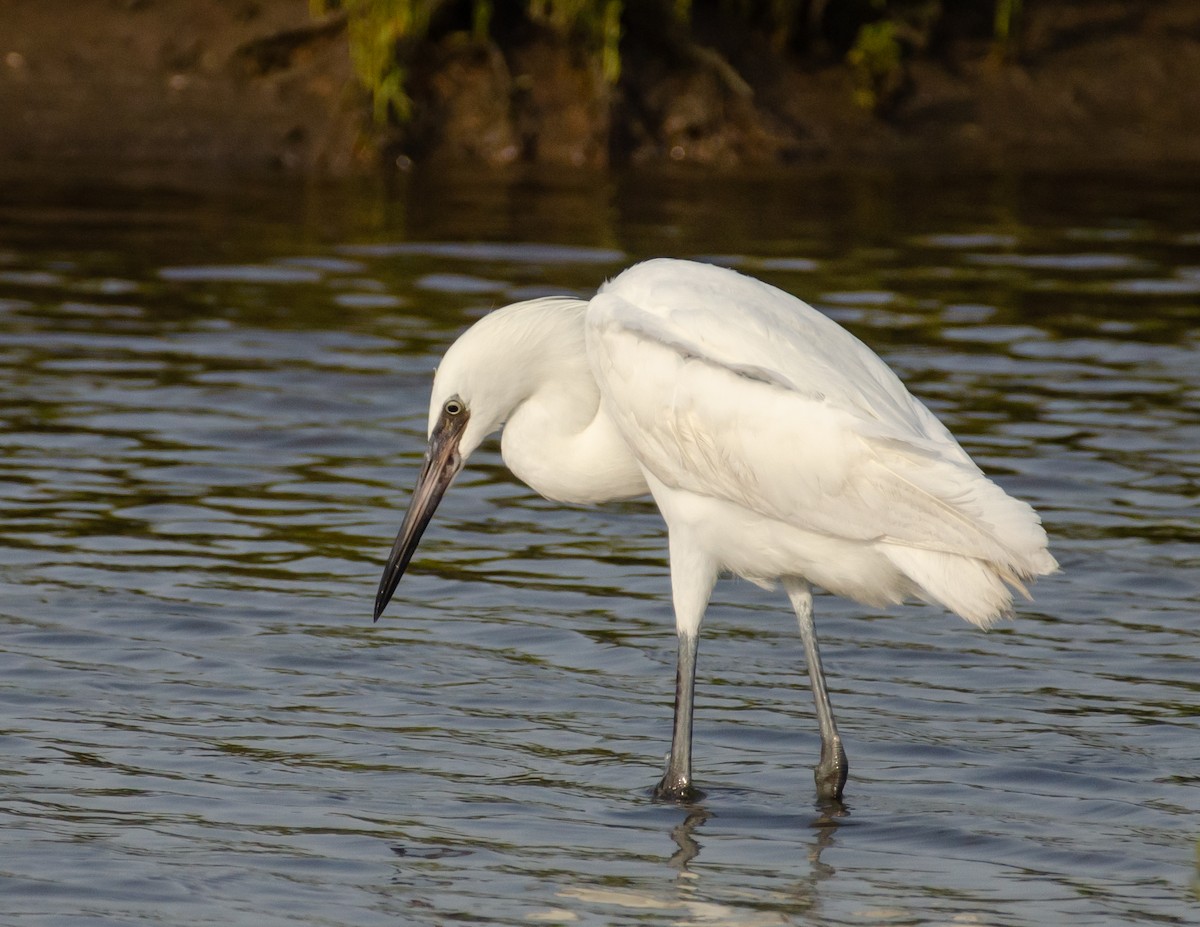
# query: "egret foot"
{"type": "Point", "coordinates": [831, 771]}
{"type": "Point", "coordinates": [677, 789]}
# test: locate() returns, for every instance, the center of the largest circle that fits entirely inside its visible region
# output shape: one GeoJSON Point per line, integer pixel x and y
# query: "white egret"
{"type": "Point", "coordinates": [777, 446]}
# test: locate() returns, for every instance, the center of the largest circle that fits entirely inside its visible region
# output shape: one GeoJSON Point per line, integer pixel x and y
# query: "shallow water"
{"type": "Point", "coordinates": [212, 412]}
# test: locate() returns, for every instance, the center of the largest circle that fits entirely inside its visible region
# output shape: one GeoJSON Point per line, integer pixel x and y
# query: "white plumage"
{"type": "Point", "coordinates": [776, 445]}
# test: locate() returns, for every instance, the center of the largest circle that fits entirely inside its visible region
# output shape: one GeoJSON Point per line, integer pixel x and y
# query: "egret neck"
{"type": "Point", "coordinates": [525, 368]}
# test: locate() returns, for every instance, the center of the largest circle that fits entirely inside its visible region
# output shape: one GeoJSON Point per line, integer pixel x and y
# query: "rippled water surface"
{"type": "Point", "coordinates": [211, 412]}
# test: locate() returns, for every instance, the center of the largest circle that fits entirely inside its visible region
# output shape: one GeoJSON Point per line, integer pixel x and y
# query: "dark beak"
{"type": "Point", "coordinates": [442, 463]}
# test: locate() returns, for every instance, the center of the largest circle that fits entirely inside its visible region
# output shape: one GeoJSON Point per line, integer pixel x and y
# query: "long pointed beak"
{"type": "Point", "coordinates": [442, 464]}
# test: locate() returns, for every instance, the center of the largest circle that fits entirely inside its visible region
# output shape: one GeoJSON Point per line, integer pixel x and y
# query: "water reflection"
{"type": "Point", "coordinates": [213, 407]}
{"type": "Point", "coordinates": [684, 836]}
{"type": "Point", "coordinates": [690, 899]}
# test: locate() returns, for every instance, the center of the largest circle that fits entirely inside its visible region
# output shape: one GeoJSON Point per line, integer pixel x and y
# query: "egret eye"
{"type": "Point", "coordinates": [453, 407]}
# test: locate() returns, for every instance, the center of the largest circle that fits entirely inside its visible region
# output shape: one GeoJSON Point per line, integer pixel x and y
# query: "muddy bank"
{"type": "Point", "coordinates": [150, 89]}
{"type": "Point", "coordinates": [143, 89]}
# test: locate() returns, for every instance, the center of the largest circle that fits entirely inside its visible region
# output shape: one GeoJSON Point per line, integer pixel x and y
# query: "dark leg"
{"type": "Point", "coordinates": [676, 784]}
{"type": "Point", "coordinates": [692, 577]}
{"type": "Point", "coordinates": [831, 771]}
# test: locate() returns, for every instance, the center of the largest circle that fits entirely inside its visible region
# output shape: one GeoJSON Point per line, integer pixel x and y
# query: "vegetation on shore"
{"type": "Point", "coordinates": [290, 85]}
{"type": "Point", "coordinates": [873, 36]}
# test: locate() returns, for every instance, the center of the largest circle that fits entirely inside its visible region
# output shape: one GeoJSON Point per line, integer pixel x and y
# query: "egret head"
{"type": "Point", "coordinates": [455, 430]}
{"type": "Point", "coordinates": [480, 380]}
{"type": "Point", "coordinates": [484, 376]}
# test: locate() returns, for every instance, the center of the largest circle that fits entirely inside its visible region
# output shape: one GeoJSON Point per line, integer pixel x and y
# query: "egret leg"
{"type": "Point", "coordinates": [692, 578]}
{"type": "Point", "coordinates": [832, 769]}
{"type": "Point", "coordinates": [676, 783]}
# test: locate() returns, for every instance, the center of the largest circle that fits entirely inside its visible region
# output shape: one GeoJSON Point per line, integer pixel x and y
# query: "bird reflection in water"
{"type": "Point", "coordinates": [806, 894]}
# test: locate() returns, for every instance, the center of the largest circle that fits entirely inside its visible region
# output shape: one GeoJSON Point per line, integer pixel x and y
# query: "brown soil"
{"type": "Point", "coordinates": [138, 88]}
{"type": "Point", "coordinates": [150, 88]}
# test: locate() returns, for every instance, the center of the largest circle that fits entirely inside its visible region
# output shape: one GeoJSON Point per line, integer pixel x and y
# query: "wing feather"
{"type": "Point", "coordinates": [727, 387]}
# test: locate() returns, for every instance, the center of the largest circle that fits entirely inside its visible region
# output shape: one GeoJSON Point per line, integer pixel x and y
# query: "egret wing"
{"type": "Point", "coordinates": [762, 332]}
{"type": "Point", "coordinates": [730, 388]}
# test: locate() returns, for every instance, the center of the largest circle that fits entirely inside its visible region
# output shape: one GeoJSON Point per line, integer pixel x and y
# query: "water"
{"type": "Point", "coordinates": [212, 412]}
